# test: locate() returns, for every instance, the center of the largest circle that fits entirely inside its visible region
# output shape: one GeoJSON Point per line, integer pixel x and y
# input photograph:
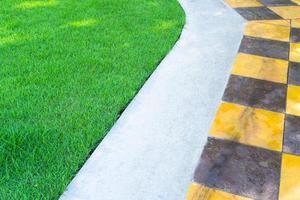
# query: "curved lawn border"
{"type": "Point", "coordinates": [68, 70]}
{"type": "Point", "coordinates": [151, 151]}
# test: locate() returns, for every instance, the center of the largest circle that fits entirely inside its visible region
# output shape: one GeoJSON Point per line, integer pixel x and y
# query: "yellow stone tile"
{"type": "Point", "coordinates": [290, 178]}
{"type": "Point", "coordinates": [293, 100]}
{"type": "Point", "coordinates": [258, 67]}
{"type": "Point", "coordinates": [280, 22]}
{"type": "Point", "coordinates": [243, 3]}
{"type": "Point", "coordinates": [295, 52]}
{"type": "Point", "coordinates": [200, 192]}
{"type": "Point", "coordinates": [268, 31]}
{"type": "Point", "coordinates": [296, 23]}
{"type": "Point", "coordinates": [287, 12]}
{"type": "Point", "coordinates": [296, 1]}
{"type": "Point", "coordinates": [248, 125]}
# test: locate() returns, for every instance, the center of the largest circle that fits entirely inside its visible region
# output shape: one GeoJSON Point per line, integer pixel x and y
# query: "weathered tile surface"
{"type": "Point", "coordinates": [269, 69]}
{"type": "Point", "coordinates": [198, 191]}
{"type": "Point", "coordinates": [293, 100]}
{"type": "Point", "coordinates": [281, 22]}
{"type": "Point", "coordinates": [292, 135]}
{"type": "Point", "coordinates": [249, 126]}
{"type": "Point", "coordinates": [254, 146]}
{"type": "Point", "coordinates": [287, 12]}
{"type": "Point", "coordinates": [294, 73]}
{"type": "Point", "coordinates": [264, 47]}
{"type": "Point", "coordinates": [278, 2]}
{"type": "Point", "coordinates": [258, 13]}
{"type": "Point", "coordinates": [268, 31]}
{"type": "Point", "coordinates": [295, 23]}
{"type": "Point", "coordinates": [255, 93]}
{"type": "Point", "coordinates": [295, 52]}
{"type": "Point", "coordinates": [295, 35]}
{"type": "Point", "coordinates": [239, 169]}
{"type": "Point", "coordinates": [244, 3]}
{"type": "Point", "coordinates": [290, 178]}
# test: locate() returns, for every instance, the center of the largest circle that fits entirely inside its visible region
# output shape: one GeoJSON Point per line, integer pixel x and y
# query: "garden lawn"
{"type": "Point", "coordinates": [68, 68]}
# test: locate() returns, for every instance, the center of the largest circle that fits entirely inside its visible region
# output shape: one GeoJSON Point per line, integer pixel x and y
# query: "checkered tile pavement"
{"type": "Point", "coordinates": [253, 149]}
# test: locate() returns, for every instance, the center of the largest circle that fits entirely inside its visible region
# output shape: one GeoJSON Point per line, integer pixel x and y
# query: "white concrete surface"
{"type": "Point", "coordinates": [152, 150]}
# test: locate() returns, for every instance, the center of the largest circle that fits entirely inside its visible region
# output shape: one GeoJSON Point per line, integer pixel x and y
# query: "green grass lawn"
{"type": "Point", "coordinates": [68, 68]}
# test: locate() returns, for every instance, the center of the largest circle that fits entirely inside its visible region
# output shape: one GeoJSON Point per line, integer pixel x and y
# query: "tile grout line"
{"type": "Point", "coordinates": [285, 114]}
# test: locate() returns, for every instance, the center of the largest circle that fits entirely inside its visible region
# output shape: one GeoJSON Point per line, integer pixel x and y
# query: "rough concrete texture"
{"type": "Point", "coordinates": [152, 150]}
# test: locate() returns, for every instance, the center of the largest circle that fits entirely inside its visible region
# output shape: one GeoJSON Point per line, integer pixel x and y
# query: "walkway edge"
{"type": "Point", "coordinates": [152, 150]}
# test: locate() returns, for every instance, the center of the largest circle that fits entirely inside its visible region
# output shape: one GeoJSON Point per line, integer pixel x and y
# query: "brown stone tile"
{"type": "Point", "coordinates": [292, 135]}
{"type": "Point", "coordinates": [295, 35]}
{"type": "Point", "coordinates": [256, 93]}
{"type": "Point", "coordinates": [294, 73]}
{"type": "Point", "coordinates": [277, 2]}
{"type": "Point", "coordinates": [265, 47]}
{"type": "Point", "coordinates": [239, 169]}
{"type": "Point", "coordinates": [257, 13]}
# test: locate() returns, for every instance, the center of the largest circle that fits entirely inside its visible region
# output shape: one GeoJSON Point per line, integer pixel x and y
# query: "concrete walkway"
{"type": "Point", "coordinates": [152, 150]}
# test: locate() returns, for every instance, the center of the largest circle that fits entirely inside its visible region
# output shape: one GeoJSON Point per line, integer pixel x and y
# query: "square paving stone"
{"type": "Point", "coordinates": [265, 47]}
{"type": "Point", "coordinates": [295, 23]}
{"type": "Point", "coordinates": [290, 177]}
{"type": "Point", "coordinates": [280, 22]}
{"type": "Point", "coordinates": [258, 13]}
{"type": "Point", "coordinates": [287, 12]}
{"type": "Point", "coordinates": [295, 35]}
{"type": "Point", "coordinates": [244, 3]}
{"type": "Point", "coordinates": [269, 69]}
{"type": "Point", "coordinates": [278, 2]}
{"type": "Point", "coordinates": [239, 169]}
{"type": "Point", "coordinates": [293, 100]}
{"type": "Point", "coordinates": [247, 125]}
{"type": "Point", "coordinates": [256, 93]}
{"type": "Point", "coordinates": [294, 73]}
{"type": "Point", "coordinates": [201, 192]}
{"type": "Point", "coordinates": [292, 135]}
{"type": "Point", "coordinates": [295, 52]}
{"type": "Point", "coordinates": [267, 31]}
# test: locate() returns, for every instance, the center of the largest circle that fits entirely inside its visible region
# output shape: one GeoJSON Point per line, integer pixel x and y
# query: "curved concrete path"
{"type": "Point", "coordinates": [152, 150]}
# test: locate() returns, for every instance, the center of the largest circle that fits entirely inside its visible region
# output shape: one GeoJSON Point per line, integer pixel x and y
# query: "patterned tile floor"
{"type": "Point", "coordinates": [253, 149]}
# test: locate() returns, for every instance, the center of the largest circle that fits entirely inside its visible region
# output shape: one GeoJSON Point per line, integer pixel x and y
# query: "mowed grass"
{"type": "Point", "coordinates": [68, 68]}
